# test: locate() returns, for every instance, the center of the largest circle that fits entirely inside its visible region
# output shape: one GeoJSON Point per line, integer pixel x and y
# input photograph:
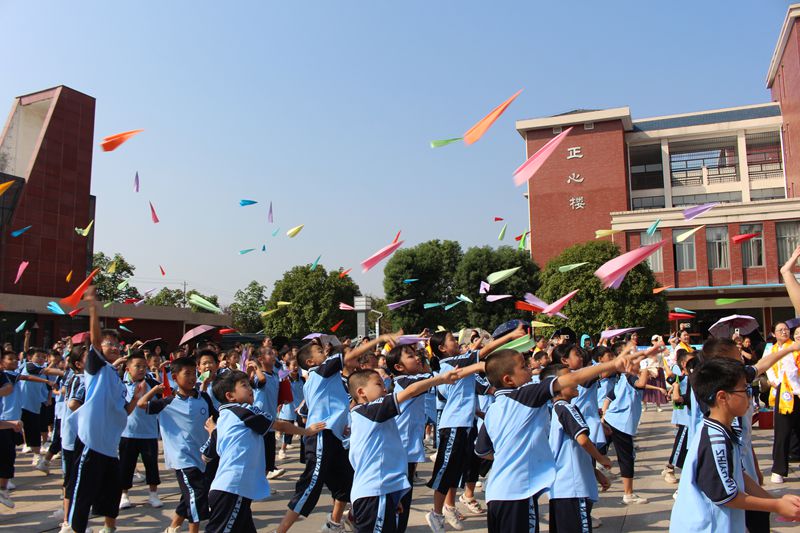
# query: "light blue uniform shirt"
{"type": "Point", "coordinates": [574, 469]}
{"type": "Point", "coordinates": [140, 424]}
{"type": "Point", "coordinates": [680, 413]}
{"type": "Point", "coordinates": [325, 396]}
{"type": "Point", "coordinates": [587, 405]}
{"type": "Point", "coordinates": [265, 394]}
{"type": "Point", "coordinates": [711, 477]}
{"type": "Point", "coordinates": [11, 405]}
{"type": "Point", "coordinates": [239, 444]}
{"type": "Point", "coordinates": [411, 420]}
{"type": "Point", "coordinates": [69, 424]}
{"type": "Point", "coordinates": [32, 394]}
{"type": "Point", "coordinates": [376, 452]}
{"type": "Point", "coordinates": [288, 410]}
{"type": "Point", "coordinates": [182, 421]}
{"type": "Point", "coordinates": [515, 431]}
{"type": "Point", "coordinates": [459, 409]}
{"type": "Point", "coordinates": [102, 418]}
{"type": "Point", "coordinates": [625, 409]}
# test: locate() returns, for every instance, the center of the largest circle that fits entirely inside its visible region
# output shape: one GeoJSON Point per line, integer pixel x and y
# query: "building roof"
{"type": "Point", "coordinates": [733, 114]}
{"type": "Point", "coordinates": [792, 13]}
{"type": "Point", "coordinates": [577, 116]}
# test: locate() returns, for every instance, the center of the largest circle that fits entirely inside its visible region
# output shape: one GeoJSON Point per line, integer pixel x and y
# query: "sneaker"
{"type": "Point", "coordinates": [332, 527]}
{"type": "Point", "coordinates": [6, 500]}
{"type": "Point", "coordinates": [281, 455]}
{"type": "Point", "coordinates": [633, 498]}
{"type": "Point", "coordinates": [433, 457]}
{"type": "Point", "coordinates": [659, 409]}
{"type": "Point", "coordinates": [776, 478]}
{"type": "Point", "coordinates": [138, 477]}
{"type": "Point", "coordinates": [669, 476]}
{"type": "Point", "coordinates": [58, 514]}
{"type": "Point", "coordinates": [348, 519]}
{"type": "Point", "coordinates": [26, 449]}
{"type": "Point", "coordinates": [473, 505]}
{"type": "Point", "coordinates": [596, 522]}
{"type": "Point", "coordinates": [435, 522]}
{"type": "Point", "coordinates": [106, 529]}
{"type": "Point", "coordinates": [428, 442]}
{"type": "Point", "coordinates": [42, 466]}
{"type": "Point", "coordinates": [10, 485]}
{"type": "Point", "coordinates": [675, 495]}
{"type": "Point", "coordinates": [154, 501]}
{"type": "Point", "coordinates": [124, 502]}
{"type": "Point", "coordinates": [65, 528]}
{"type": "Point", "coordinates": [453, 518]}
{"type": "Point", "coordinates": [278, 472]}
{"type": "Point", "coordinates": [172, 529]}
{"type": "Point", "coordinates": [290, 446]}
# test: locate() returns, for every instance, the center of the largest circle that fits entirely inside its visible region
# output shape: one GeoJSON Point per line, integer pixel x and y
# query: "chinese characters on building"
{"type": "Point", "coordinates": [575, 202]}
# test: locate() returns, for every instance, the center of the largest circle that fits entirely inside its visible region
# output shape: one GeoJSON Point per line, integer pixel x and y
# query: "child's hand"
{"type": "Point", "coordinates": [605, 484]}
{"type": "Point", "coordinates": [159, 389]}
{"type": "Point", "coordinates": [223, 364]}
{"type": "Point", "coordinates": [605, 461]}
{"type": "Point", "coordinates": [90, 295]}
{"type": "Point", "coordinates": [16, 425]}
{"type": "Point", "coordinates": [795, 346]}
{"type": "Point", "coordinates": [210, 425]}
{"type": "Point", "coordinates": [313, 429]}
{"type": "Point", "coordinates": [119, 362]}
{"type": "Point", "coordinates": [519, 332]}
{"type": "Point", "coordinates": [789, 506]}
{"type": "Point", "coordinates": [450, 376]}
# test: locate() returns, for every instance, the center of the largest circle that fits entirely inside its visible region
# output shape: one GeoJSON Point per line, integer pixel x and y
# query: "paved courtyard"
{"type": "Point", "coordinates": [37, 495]}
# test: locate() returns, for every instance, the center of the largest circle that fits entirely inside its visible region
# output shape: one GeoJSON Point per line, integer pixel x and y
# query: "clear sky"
{"type": "Point", "coordinates": [326, 108]}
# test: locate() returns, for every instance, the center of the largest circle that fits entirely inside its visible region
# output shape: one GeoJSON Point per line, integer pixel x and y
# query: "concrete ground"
{"type": "Point", "coordinates": [37, 495]}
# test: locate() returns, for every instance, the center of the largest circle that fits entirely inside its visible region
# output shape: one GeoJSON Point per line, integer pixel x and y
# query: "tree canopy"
{"type": "Point", "coordinates": [247, 306]}
{"type": "Point", "coordinates": [113, 271]}
{"type": "Point", "coordinates": [594, 308]}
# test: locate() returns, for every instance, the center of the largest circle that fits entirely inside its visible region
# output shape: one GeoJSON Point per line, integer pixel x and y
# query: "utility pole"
{"type": "Point", "coordinates": [184, 294]}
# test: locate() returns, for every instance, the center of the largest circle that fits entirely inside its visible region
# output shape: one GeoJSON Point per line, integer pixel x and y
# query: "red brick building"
{"type": "Point", "coordinates": [46, 151]}
{"type": "Point", "coordinates": [616, 172]}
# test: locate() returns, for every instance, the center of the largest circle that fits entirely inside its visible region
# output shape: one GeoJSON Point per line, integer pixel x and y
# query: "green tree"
{"type": "Point", "coordinates": [434, 264]}
{"type": "Point", "coordinates": [594, 308]}
{"type": "Point", "coordinates": [314, 296]}
{"type": "Point", "coordinates": [106, 282]}
{"type": "Point", "coordinates": [476, 265]}
{"type": "Point", "coordinates": [247, 306]}
{"type": "Point", "coordinates": [166, 297]}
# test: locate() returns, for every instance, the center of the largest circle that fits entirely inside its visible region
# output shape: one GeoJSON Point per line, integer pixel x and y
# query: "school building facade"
{"type": "Point", "coordinates": [46, 150]}
{"type": "Point", "coordinates": [616, 172]}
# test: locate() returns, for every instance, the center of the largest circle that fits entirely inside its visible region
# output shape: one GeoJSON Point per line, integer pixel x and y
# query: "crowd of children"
{"type": "Point", "coordinates": [530, 422]}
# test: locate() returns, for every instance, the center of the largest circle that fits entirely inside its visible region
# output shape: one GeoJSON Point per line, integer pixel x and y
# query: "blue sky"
{"type": "Point", "coordinates": [327, 108]}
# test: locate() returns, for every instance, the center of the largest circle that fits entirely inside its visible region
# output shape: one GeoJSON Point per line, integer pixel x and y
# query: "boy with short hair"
{"type": "Point", "coordinates": [377, 452]}
{"type": "Point", "coordinates": [74, 396]}
{"type": "Point", "coordinates": [514, 434]}
{"type": "Point", "coordinates": [237, 441]}
{"type": "Point", "coordinates": [289, 410]}
{"type": "Point", "coordinates": [714, 492]}
{"type": "Point", "coordinates": [100, 421]}
{"type": "Point", "coordinates": [326, 458]}
{"type": "Point", "coordinates": [574, 489]}
{"type": "Point", "coordinates": [141, 434]}
{"type": "Point", "coordinates": [265, 383]}
{"type": "Point", "coordinates": [182, 419]}
{"type": "Point", "coordinates": [33, 395]}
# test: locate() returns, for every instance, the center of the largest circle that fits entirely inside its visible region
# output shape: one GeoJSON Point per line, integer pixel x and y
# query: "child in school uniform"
{"type": "Point", "coordinates": [182, 418]}
{"type": "Point", "coordinates": [574, 489]}
{"type": "Point", "coordinates": [208, 367]}
{"type": "Point", "coordinates": [377, 453]}
{"type": "Point", "coordinates": [140, 437]}
{"type": "Point", "coordinates": [288, 411]}
{"type": "Point", "coordinates": [714, 492]}
{"type": "Point", "coordinates": [622, 410]}
{"type": "Point", "coordinates": [238, 442]}
{"type": "Point", "coordinates": [74, 396]}
{"type": "Point", "coordinates": [326, 458]}
{"type": "Point", "coordinates": [100, 421]}
{"type": "Point", "coordinates": [33, 395]}
{"type": "Point", "coordinates": [265, 387]}
{"type": "Point", "coordinates": [679, 382]}
{"type": "Point", "coordinates": [455, 424]}
{"type": "Point", "coordinates": [514, 435]}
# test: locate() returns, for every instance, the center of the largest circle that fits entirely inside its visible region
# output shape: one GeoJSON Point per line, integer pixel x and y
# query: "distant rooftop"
{"type": "Point", "coordinates": [772, 109]}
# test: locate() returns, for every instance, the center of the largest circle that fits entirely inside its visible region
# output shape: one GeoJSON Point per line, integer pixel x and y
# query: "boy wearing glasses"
{"type": "Point", "coordinates": [101, 421]}
{"type": "Point", "coordinates": [714, 492]}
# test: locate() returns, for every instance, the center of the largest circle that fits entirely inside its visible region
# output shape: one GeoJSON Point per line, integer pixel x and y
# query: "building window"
{"type": "Point", "coordinates": [753, 249]}
{"type": "Point", "coordinates": [588, 125]}
{"type": "Point", "coordinates": [772, 193]}
{"type": "Point", "coordinates": [656, 260]}
{"type": "Point", "coordinates": [646, 169]}
{"type": "Point", "coordinates": [697, 199]}
{"type": "Point", "coordinates": [703, 161]}
{"type": "Point", "coordinates": [764, 159]}
{"type": "Point", "coordinates": [788, 237]}
{"type": "Point", "coordinates": [684, 251]}
{"type": "Point", "coordinates": [648, 202]}
{"type": "Point", "coordinates": [717, 247]}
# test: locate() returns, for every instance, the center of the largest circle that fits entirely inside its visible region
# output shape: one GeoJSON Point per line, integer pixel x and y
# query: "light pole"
{"type": "Point", "coordinates": [377, 322]}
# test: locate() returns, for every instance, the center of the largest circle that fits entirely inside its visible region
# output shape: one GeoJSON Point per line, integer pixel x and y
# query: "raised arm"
{"type": "Point", "coordinates": [366, 347]}
{"type": "Point", "coordinates": [792, 285]}
{"type": "Point", "coordinates": [495, 344]}
{"type": "Point", "coordinates": [768, 361]}
{"type": "Point", "coordinates": [95, 332]}
{"type": "Point", "coordinates": [144, 400]}
{"type": "Point", "coordinates": [420, 387]}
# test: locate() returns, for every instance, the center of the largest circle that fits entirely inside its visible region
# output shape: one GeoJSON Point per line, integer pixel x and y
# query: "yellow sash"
{"type": "Point", "coordinates": [786, 401]}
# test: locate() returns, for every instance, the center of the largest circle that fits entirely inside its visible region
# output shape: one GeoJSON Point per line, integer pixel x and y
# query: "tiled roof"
{"type": "Point", "coordinates": [731, 115]}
